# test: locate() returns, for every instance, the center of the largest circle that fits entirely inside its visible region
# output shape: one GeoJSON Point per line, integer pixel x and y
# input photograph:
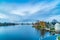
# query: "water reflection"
{"type": "Point", "coordinates": [27, 32]}
{"type": "Point", "coordinates": [43, 32]}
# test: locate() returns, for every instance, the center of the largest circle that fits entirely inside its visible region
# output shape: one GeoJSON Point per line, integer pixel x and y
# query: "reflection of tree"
{"type": "Point", "coordinates": [43, 31]}
{"type": "Point", "coordinates": [40, 26]}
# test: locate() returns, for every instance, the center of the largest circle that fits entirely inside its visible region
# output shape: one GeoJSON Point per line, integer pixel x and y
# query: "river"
{"type": "Point", "coordinates": [23, 32]}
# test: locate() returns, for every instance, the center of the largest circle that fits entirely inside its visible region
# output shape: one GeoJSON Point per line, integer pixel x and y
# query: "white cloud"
{"type": "Point", "coordinates": [8, 17]}
{"type": "Point", "coordinates": [28, 9]}
{"type": "Point", "coordinates": [23, 10]}
{"type": "Point", "coordinates": [31, 9]}
{"type": "Point", "coordinates": [17, 12]}
{"type": "Point", "coordinates": [3, 16]}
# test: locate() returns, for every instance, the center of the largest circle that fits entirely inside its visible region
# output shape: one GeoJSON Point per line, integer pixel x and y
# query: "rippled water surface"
{"type": "Point", "coordinates": [23, 32]}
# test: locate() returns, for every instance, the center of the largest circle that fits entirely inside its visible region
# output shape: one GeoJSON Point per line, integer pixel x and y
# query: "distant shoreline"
{"type": "Point", "coordinates": [8, 24]}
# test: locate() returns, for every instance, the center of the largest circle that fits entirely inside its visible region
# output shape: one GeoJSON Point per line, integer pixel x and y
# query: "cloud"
{"type": "Point", "coordinates": [57, 17]}
{"type": "Point", "coordinates": [25, 11]}
{"type": "Point", "coordinates": [3, 16]}
{"type": "Point", "coordinates": [31, 9]}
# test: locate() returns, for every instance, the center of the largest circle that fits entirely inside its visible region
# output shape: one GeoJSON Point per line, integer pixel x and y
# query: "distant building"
{"type": "Point", "coordinates": [50, 25]}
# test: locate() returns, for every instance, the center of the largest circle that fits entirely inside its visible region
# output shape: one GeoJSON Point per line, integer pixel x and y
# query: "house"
{"type": "Point", "coordinates": [57, 27]}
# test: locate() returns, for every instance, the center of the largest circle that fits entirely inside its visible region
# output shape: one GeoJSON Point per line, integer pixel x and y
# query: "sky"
{"type": "Point", "coordinates": [29, 10]}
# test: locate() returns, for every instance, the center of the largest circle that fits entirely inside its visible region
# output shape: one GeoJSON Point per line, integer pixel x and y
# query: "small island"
{"type": "Point", "coordinates": [52, 27]}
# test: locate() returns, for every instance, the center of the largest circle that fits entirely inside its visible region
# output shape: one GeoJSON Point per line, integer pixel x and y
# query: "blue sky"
{"type": "Point", "coordinates": [29, 10]}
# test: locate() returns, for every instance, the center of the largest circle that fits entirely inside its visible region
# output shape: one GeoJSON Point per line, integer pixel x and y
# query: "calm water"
{"type": "Point", "coordinates": [23, 33]}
